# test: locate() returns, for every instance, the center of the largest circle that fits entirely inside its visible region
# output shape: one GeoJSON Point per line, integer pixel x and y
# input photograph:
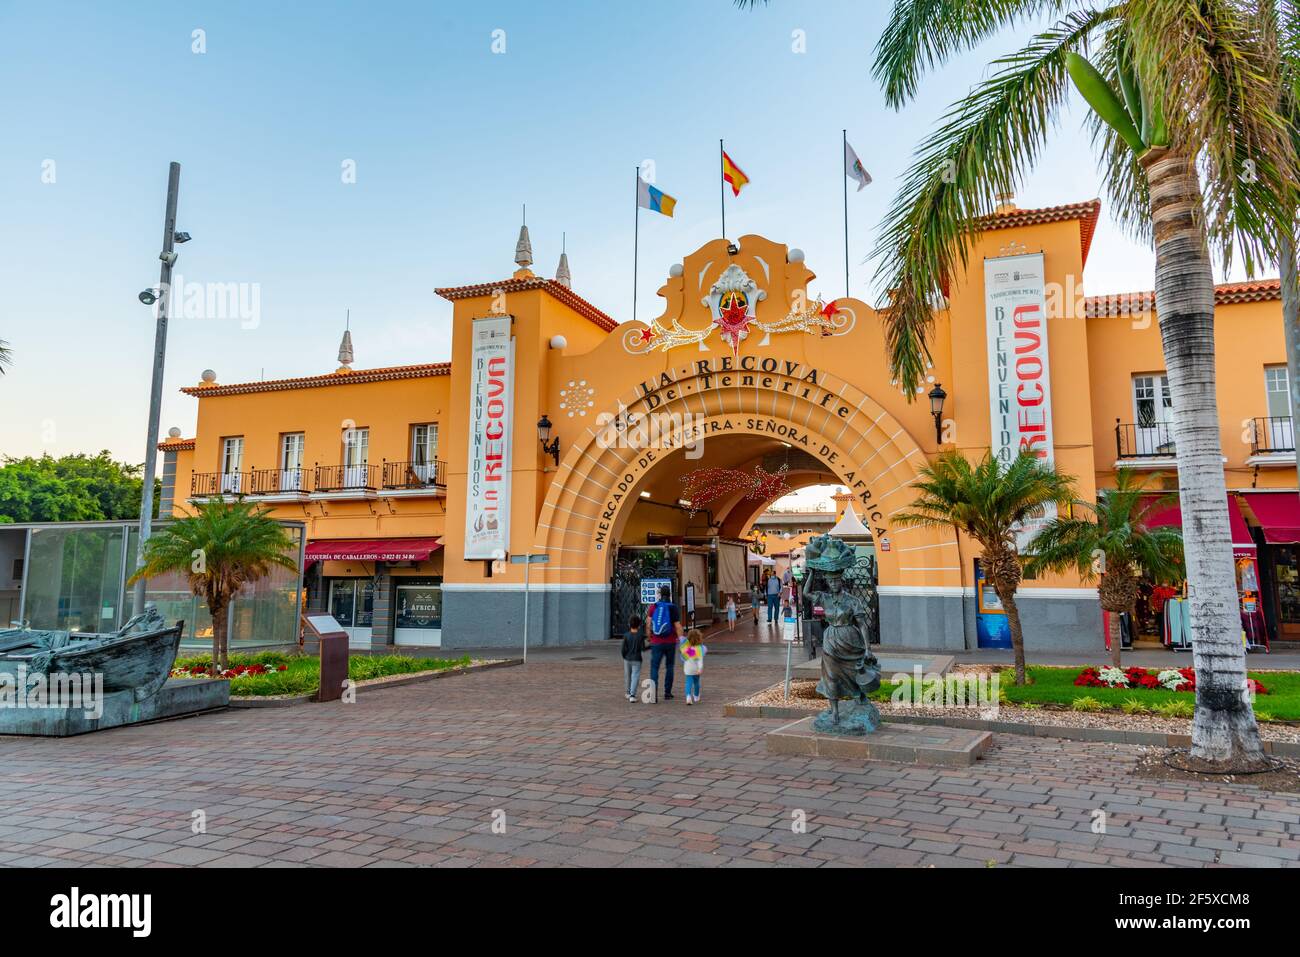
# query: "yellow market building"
{"type": "Point", "coordinates": [418, 483]}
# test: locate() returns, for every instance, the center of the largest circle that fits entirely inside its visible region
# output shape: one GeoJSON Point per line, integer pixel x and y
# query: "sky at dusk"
{"type": "Point", "coordinates": [448, 135]}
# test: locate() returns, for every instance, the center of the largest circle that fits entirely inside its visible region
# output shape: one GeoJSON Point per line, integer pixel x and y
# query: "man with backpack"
{"type": "Point", "coordinates": [664, 625]}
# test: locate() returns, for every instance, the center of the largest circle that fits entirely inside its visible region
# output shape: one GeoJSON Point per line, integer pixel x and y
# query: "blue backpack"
{"type": "Point", "coordinates": [661, 622]}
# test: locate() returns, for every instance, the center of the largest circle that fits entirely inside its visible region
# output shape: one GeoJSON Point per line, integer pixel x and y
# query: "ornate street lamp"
{"type": "Point", "coordinates": [937, 396]}
{"type": "Point", "coordinates": [544, 436]}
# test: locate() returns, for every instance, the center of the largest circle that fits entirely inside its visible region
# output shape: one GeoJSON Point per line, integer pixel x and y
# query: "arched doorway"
{"type": "Point", "coordinates": [598, 485]}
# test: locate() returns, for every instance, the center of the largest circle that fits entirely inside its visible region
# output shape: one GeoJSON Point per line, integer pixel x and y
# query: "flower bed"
{"type": "Point", "coordinates": [273, 673]}
{"type": "Point", "coordinates": [1168, 679]}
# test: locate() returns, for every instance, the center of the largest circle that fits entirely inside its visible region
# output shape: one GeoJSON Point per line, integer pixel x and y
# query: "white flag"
{"type": "Point", "coordinates": [853, 167]}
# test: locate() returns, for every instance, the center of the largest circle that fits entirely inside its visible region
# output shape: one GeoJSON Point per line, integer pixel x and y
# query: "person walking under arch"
{"type": "Point", "coordinates": [773, 597]}
{"type": "Point", "coordinates": [664, 623]}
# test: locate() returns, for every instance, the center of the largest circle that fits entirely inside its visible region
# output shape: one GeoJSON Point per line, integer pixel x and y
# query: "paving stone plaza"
{"type": "Point", "coordinates": [577, 776]}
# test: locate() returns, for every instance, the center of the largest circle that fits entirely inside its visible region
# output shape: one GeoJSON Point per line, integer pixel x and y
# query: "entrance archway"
{"type": "Point", "coordinates": [866, 449]}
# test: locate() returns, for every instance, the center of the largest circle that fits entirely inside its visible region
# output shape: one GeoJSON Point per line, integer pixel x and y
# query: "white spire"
{"type": "Point", "coordinates": [345, 345]}
{"type": "Point", "coordinates": [562, 275]}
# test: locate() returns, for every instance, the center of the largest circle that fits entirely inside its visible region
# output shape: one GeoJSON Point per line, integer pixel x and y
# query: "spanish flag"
{"type": "Point", "coordinates": [733, 174]}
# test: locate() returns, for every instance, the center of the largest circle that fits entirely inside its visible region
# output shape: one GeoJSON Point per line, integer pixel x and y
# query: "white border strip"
{"type": "Point", "coordinates": [518, 586]}
{"type": "Point", "coordinates": [952, 591]}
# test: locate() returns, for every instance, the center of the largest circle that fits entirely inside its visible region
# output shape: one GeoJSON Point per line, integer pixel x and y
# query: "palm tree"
{"type": "Point", "coordinates": [220, 548]}
{"type": "Point", "coordinates": [989, 501]}
{"type": "Point", "coordinates": [1198, 105]}
{"type": "Point", "coordinates": [6, 356]}
{"type": "Point", "coordinates": [1113, 546]}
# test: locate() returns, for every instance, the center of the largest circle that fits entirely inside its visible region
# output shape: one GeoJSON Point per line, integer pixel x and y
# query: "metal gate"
{"type": "Point", "coordinates": [860, 581]}
{"type": "Point", "coordinates": [630, 566]}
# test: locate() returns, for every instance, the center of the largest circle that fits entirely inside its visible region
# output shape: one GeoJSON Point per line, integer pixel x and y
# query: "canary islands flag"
{"type": "Point", "coordinates": [733, 174]}
{"type": "Point", "coordinates": [655, 200]}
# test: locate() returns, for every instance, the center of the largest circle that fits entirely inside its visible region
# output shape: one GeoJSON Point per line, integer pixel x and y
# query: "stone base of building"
{"type": "Point", "coordinates": [179, 697]}
{"type": "Point", "coordinates": [484, 616]}
{"type": "Point", "coordinates": [945, 621]}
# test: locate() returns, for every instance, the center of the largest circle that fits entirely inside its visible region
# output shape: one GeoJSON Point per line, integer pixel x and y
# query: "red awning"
{"type": "Point", "coordinates": [1278, 513]}
{"type": "Point", "coordinates": [372, 549]}
{"type": "Point", "coordinates": [1173, 515]}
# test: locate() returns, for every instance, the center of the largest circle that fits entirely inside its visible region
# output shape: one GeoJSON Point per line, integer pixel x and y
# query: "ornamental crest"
{"type": "Point", "coordinates": [731, 302]}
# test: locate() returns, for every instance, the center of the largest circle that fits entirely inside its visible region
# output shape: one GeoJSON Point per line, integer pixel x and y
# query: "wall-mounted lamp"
{"type": "Point", "coordinates": [550, 446]}
{"type": "Point", "coordinates": [937, 395]}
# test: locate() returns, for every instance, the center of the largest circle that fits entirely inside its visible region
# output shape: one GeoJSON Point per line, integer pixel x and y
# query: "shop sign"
{"type": "Point", "coordinates": [419, 606]}
{"type": "Point", "coordinates": [1020, 392]}
{"type": "Point", "coordinates": [491, 409]}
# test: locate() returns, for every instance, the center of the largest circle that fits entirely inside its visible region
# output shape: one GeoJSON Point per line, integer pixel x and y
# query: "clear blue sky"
{"type": "Point", "coordinates": [449, 139]}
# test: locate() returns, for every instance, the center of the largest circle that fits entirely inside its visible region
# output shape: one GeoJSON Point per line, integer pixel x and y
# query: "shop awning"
{"type": "Point", "coordinates": [372, 549]}
{"type": "Point", "coordinates": [1278, 514]}
{"type": "Point", "coordinates": [1173, 515]}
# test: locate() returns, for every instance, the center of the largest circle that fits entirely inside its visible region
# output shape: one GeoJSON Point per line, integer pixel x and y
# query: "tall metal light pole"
{"type": "Point", "coordinates": [168, 256]}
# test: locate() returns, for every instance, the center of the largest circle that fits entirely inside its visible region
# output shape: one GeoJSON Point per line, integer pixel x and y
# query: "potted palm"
{"type": "Point", "coordinates": [1112, 542]}
{"type": "Point", "coordinates": [989, 500]}
{"type": "Point", "coordinates": [219, 549]}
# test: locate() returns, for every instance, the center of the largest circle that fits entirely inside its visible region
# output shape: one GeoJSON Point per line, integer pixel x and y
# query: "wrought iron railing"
{"type": "Point", "coordinates": [415, 475]}
{"type": "Point", "coordinates": [1272, 433]}
{"type": "Point", "coordinates": [346, 478]}
{"type": "Point", "coordinates": [1136, 440]}
{"type": "Point", "coordinates": [205, 484]}
{"type": "Point", "coordinates": [277, 481]}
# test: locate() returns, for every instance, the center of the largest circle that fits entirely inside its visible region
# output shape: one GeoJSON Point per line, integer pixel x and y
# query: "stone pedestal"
{"type": "Point", "coordinates": [178, 697]}
{"type": "Point", "coordinates": [904, 743]}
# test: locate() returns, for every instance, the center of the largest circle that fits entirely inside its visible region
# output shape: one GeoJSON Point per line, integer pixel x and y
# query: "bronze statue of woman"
{"type": "Point", "coordinates": [849, 671]}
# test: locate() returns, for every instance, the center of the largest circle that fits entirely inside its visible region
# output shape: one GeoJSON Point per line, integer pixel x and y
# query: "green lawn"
{"type": "Point", "coordinates": [1056, 686]}
{"type": "Point", "coordinates": [300, 674]}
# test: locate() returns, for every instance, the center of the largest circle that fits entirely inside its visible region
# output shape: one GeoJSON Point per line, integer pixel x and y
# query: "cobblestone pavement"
{"type": "Point", "coordinates": [414, 776]}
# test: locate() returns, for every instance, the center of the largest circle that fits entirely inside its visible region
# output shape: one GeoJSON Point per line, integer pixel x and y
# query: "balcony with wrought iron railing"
{"type": "Point", "coordinates": [1144, 441]}
{"type": "Point", "coordinates": [415, 478]}
{"type": "Point", "coordinates": [1272, 437]}
{"type": "Point", "coordinates": [345, 480]}
{"type": "Point", "coordinates": [289, 483]}
{"type": "Point", "coordinates": [212, 484]}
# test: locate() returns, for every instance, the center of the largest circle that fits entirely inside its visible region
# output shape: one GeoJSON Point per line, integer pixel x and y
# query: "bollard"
{"type": "Point", "coordinates": [333, 666]}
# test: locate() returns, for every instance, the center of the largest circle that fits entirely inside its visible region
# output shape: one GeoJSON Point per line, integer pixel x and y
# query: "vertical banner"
{"type": "Point", "coordinates": [1020, 391]}
{"type": "Point", "coordinates": [491, 409]}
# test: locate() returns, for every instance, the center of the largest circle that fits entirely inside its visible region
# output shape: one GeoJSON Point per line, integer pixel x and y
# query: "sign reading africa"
{"type": "Point", "coordinates": [737, 424]}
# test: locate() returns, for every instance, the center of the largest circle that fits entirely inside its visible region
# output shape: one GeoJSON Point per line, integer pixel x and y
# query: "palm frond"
{"type": "Point", "coordinates": [984, 145]}
{"type": "Point", "coordinates": [988, 499]}
{"type": "Point", "coordinates": [1213, 65]}
{"type": "Point", "coordinates": [922, 34]}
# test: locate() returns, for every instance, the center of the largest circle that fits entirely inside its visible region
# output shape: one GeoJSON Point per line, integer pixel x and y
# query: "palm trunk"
{"type": "Point", "coordinates": [219, 662]}
{"type": "Point", "coordinates": [1017, 636]}
{"type": "Point", "coordinates": [1224, 729]}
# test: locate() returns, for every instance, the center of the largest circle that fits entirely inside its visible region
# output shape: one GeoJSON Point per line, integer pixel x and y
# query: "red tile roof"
{"type": "Point", "coordinates": [1086, 212]}
{"type": "Point", "coordinates": [176, 445]}
{"type": "Point", "coordinates": [558, 290]}
{"type": "Point", "coordinates": [1130, 303]}
{"type": "Point", "coordinates": [356, 377]}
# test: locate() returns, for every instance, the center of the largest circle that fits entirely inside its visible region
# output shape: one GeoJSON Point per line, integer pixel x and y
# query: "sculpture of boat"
{"type": "Point", "coordinates": [137, 657]}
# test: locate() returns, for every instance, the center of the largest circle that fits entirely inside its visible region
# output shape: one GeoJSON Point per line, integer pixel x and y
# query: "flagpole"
{"type": "Point", "coordinates": [636, 238]}
{"type": "Point", "coordinates": [722, 188]}
{"type": "Point", "coordinates": [844, 159]}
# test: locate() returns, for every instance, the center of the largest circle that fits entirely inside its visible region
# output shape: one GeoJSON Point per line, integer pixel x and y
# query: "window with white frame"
{"type": "Point", "coordinates": [232, 463]}
{"type": "Point", "coordinates": [424, 443]}
{"type": "Point", "coordinates": [356, 447]}
{"type": "Point", "coordinates": [1277, 388]}
{"type": "Point", "coordinates": [1152, 403]}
